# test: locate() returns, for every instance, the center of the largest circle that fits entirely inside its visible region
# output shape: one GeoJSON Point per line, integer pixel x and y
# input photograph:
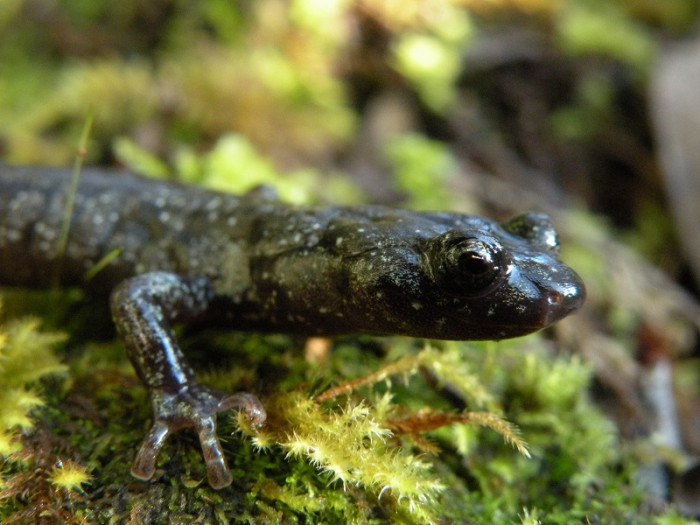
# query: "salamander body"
{"type": "Point", "coordinates": [182, 254]}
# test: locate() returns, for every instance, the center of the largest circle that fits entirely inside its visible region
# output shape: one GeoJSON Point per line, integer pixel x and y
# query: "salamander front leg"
{"type": "Point", "coordinates": [144, 309]}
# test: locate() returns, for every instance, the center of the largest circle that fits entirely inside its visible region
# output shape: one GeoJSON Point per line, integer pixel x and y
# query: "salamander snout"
{"type": "Point", "coordinates": [564, 298]}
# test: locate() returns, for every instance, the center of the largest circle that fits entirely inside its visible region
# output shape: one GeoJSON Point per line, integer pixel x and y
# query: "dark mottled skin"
{"type": "Point", "coordinates": [254, 263]}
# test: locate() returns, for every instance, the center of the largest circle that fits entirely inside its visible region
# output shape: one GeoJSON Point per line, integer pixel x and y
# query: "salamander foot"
{"type": "Point", "coordinates": [193, 406]}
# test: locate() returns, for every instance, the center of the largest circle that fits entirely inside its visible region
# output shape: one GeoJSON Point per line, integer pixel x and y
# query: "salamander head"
{"type": "Point", "coordinates": [474, 279]}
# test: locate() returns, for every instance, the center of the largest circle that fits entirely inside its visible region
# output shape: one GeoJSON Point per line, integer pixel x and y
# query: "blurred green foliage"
{"type": "Point", "coordinates": [422, 169]}
{"type": "Point", "coordinates": [430, 59]}
{"type": "Point", "coordinates": [591, 110]}
{"type": "Point", "coordinates": [165, 72]}
{"type": "Point", "coordinates": [605, 28]}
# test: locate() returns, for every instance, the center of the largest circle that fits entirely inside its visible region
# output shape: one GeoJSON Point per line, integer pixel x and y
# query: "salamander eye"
{"type": "Point", "coordinates": [467, 265]}
{"type": "Point", "coordinates": [537, 228]}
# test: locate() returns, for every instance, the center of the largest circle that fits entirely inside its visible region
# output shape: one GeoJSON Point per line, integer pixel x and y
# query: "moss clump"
{"type": "Point", "coordinates": [351, 445]}
{"type": "Point", "coordinates": [34, 482]}
{"type": "Point", "coordinates": [26, 356]}
{"type": "Point", "coordinates": [69, 476]}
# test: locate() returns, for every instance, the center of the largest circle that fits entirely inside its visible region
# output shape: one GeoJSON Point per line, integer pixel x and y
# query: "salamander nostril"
{"type": "Point", "coordinates": [554, 298]}
{"type": "Point", "coordinates": [565, 299]}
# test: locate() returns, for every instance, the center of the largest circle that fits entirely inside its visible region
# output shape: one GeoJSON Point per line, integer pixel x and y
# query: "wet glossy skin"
{"type": "Point", "coordinates": [253, 263]}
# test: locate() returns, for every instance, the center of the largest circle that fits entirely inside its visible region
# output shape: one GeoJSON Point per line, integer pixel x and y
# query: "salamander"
{"type": "Point", "coordinates": [182, 254]}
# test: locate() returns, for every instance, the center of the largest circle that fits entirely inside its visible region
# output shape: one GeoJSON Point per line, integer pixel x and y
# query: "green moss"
{"type": "Point", "coordinates": [384, 444]}
{"type": "Point", "coordinates": [27, 357]}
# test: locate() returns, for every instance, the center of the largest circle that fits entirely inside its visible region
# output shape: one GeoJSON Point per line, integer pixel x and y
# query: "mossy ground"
{"type": "Point", "coordinates": [360, 455]}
